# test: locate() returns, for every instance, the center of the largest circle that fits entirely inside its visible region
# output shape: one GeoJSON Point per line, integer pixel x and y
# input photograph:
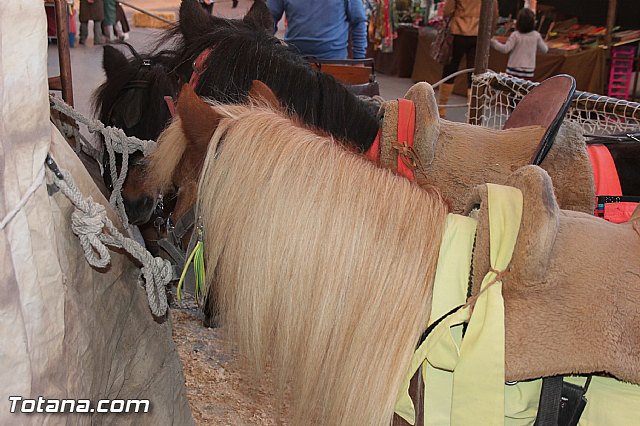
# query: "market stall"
{"type": "Point", "coordinates": [393, 35]}
{"type": "Point", "coordinates": [587, 67]}
{"type": "Point", "coordinates": [578, 36]}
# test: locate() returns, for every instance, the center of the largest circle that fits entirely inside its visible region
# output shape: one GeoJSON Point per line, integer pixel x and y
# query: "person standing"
{"type": "Point", "coordinates": [322, 29]}
{"type": "Point", "coordinates": [91, 10]}
{"type": "Point", "coordinates": [522, 46]}
{"type": "Point", "coordinates": [465, 21]}
{"type": "Point", "coordinates": [112, 31]}
{"type": "Point", "coordinates": [109, 22]}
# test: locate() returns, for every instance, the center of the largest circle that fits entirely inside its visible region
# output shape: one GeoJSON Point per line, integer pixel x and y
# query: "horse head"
{"type": "Point", "coordinates": [244, 51]}
{"type": "Point", "coordinates": [177, 162]}
{"type": "Point", "coordinates": [132, 98]}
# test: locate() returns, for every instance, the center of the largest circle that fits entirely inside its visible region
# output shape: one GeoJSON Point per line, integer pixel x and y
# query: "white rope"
{"type": "Point", "coordinates": [33, 188]}
{"type": "Point", "coordinates": [450, 76]}
{"type": "Point", "coordinates": [115, 141]}
{"type": "Point", "coordinates": [89, 221]}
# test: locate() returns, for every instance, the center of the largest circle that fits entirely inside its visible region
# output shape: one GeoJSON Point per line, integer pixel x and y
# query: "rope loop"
{"type": "Point", "coordinates": [88, 226]}
{"type": "Point", "coordinates": [157, 274]}
{"type": "Point", "coordinates": [89, 220]}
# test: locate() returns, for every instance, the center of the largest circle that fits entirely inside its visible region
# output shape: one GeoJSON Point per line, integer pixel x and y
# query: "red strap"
{"type": "Point", "coordinates": [406, 129]}
{"type": "Point", "coordinates": [373, 153]}
{"type": "Point", "coordinates": [199, 67]}
{"type": "Point", "coordinates": [605, 174]}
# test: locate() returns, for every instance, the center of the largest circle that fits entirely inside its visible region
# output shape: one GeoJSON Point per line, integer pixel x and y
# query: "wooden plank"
{"type": "Point", "coordinates": [55, 83]}
{"type": "Point", "coordinates": [350, 74]}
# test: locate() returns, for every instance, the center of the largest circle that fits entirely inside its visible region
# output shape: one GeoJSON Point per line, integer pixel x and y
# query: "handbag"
{"type": "Point", "coordinates": [442, 45]}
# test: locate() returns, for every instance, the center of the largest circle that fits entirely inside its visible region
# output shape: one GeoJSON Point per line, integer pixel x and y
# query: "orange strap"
{"type": "Point", "coordinates": [605, 174]}
{"type": "Point", "coordinates": [406, 129]}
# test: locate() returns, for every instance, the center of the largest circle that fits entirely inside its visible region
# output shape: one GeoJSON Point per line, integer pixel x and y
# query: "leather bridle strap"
{"type": "Point", "coordinates": [172, 242]}
{"type": "Point", "coordinates": [199, 67]}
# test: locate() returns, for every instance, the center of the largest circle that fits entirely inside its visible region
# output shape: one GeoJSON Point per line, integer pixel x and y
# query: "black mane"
{"type": "Point", "coordinates": [242, 53]}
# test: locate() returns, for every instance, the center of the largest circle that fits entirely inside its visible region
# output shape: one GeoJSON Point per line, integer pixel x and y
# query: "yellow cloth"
{"type": "Point", "coordinates": [464, 380]}
{"type": "Point", "coordinates": [485, 331]}
{"type": "Point", "coordinates": [449, 291]}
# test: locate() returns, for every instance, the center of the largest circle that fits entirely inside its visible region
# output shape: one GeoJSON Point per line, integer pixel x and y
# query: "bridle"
{"type": "Point", "coordinates": [175, 232]}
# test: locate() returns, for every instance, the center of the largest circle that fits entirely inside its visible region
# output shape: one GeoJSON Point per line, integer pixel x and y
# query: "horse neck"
{"type": "Point", "coordinates": [317, 98]}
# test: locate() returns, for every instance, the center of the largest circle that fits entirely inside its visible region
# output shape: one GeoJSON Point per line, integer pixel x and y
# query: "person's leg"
{"type": "Point", "coordinates": [97, 33]}
{"type": "Point", "coordinates": [446, 89]}
{"type": "Point", "coordinates": [121, 17]}
{"type": "Point", "coordinates": [108, 33]}
{"type": "Point", "coordinates": [84, 32]}
{"type": "Point", "coordinates": [470, 52]}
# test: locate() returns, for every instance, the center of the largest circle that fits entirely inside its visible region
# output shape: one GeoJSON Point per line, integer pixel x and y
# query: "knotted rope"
{"type": "Point", "coordinates": [89, 221]}
{"type": "Point", "coordinates": [115, 140]}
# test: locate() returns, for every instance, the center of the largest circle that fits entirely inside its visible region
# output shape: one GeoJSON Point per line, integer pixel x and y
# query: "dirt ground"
{"type": "Point", "coordinates": [220, 391]}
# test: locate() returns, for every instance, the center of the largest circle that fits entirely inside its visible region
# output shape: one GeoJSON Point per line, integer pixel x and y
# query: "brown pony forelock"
{"type": "Point", "coordinates": [163, 161]}
{"type": "Point", "coordinates": [320, 264]}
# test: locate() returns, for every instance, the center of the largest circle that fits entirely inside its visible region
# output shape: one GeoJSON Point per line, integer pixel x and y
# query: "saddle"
{"type": "Point", "coordinates": [566, 311]}
{"type": "Point", "coordinates": [455, 157]}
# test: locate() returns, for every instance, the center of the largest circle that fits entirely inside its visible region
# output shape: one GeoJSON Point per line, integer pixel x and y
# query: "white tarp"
{"type": "Point", "coordinates": [66, 330]}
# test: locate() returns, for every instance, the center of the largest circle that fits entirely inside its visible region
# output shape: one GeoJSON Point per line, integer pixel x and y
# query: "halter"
{"type": "Point", "coordinates": [199, 67]}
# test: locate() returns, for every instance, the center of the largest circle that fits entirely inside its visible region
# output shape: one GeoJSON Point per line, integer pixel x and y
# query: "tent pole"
{"type": "Point", "coordinates": [611, 22]}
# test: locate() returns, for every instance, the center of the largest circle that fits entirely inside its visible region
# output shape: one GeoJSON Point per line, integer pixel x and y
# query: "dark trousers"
{"type": "Point", "coordinates": [122, 18]}
{"type": "Point", "coordinates": [462, 46]}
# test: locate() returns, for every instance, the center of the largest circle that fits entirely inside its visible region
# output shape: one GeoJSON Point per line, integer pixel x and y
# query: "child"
{"type": "Point", "coordinates": [523, 44]}
{"type": "Point", "coordinates": [91, 10]}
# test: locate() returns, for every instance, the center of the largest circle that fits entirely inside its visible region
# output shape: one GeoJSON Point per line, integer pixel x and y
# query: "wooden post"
{"type": "Point", "coordinates": [485, 31]}
{"type": "Point", "coordinates": [63, 50]}
{"type": "Point", "coordinates": [611, 22]}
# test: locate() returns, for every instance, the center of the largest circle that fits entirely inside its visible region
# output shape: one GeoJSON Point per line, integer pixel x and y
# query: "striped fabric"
{"type": "Point", "coordinates": [519, 72]}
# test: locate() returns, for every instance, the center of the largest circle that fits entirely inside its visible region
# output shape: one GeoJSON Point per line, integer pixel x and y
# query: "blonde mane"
{"type": "Point", "coordinates": [320, 264]}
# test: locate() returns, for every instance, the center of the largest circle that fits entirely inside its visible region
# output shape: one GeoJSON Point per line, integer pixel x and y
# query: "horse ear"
{"type": "Point", "coordinates": [262, 93]}
{"type": "Point", "coordinates": [199, 120]}
{"type": "Point", "coordinates": [193, 19]}
{"type": "Point", "coordinates": [113, 61]}
{"type": "Point", "coordinates": [260, 16]}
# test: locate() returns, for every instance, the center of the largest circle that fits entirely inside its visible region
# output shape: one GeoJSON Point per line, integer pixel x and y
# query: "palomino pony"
{"type": "Point", "coordinates": [322, 265]}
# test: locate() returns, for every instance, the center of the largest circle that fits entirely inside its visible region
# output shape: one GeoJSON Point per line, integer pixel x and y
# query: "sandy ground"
{"type": "Point", "coordinates": [220, 390]}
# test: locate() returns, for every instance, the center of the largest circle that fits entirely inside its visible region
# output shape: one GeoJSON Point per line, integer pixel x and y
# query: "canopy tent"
{"type": "Point", "coordinates": [67, 330]}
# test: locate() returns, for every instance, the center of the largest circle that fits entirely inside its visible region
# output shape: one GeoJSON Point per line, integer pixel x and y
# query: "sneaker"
{"type": "Point", "coordinates": [124, 37]}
